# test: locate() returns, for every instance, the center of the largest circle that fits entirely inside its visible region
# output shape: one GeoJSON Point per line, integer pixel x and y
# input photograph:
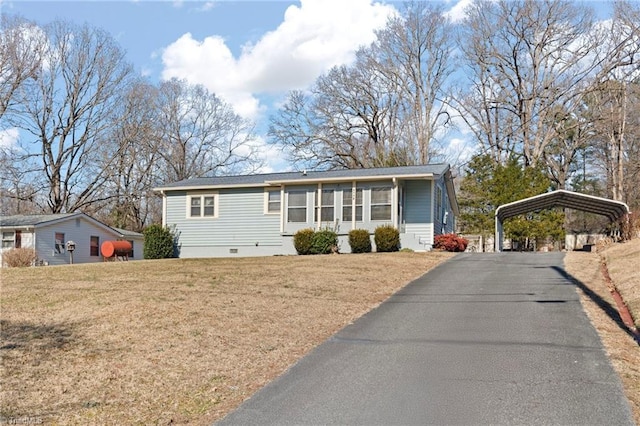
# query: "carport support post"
{"type": "Point", "coordinates": [498, 236]}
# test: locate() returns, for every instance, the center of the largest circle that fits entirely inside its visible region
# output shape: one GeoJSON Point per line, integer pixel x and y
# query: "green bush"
{"type": "Point", "coordinates": [303, 240]}
{"type": "Point", "coordinates": [158, 242]}
{"type": "Point", "coordinates": [325, 241]}
{"type": "Point", "coordinates": [360, 241]}
{"type": "Point", "coordinates": [387, 238]}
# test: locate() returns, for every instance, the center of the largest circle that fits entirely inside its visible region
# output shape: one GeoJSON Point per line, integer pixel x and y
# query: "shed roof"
{"type": "Point", "coordinates": [612, 209]}
{"type": "Point", "coordinates": [32, 219]}
{"type": "Point", "coordinates": [29, 220]}
{"type": "Point", "coordinates": [307, 176]}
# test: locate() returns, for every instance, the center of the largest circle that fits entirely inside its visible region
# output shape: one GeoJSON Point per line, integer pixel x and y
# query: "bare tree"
{"type": "Point", "coordinates": [131, 161]}
{"type": "Point", "coordinates": [613, 109]}
{"type": "Point", "coordinates": [385, 109]}
{"type": "Point", "coordinates": [415, 54]}
{"type": "Point", "coordinates": [527, 59]}
{"type": "Point", "coordinates": [201, 135]}
{"type": "Point", "coordinates": [66, 111]}
{"type": "Point", "coordinates": [347, 120]}
{"type": "Point", "coordinates": [21, 46]}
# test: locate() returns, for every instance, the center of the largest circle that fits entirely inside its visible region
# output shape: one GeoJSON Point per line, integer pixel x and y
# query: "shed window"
{"type": "Point", "coordinates": [59, 242]}
{"type": "Point", "coordinates": [8, 239]}
{"type": "Point", "coordinates": [297, 206]}
{"type": "Point", "coordinates": [94, 246]}
{"type": "Point", "coordinates": [203, 205]}
{"type": "Point", "coordinates": [326, 206]}
{"type": "Point", "coordinates": [380, 203]}
{"type": "Point", "coordinates": [348, 202]}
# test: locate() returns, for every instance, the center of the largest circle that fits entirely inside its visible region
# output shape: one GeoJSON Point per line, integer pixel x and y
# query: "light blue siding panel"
{"type": "Point", "coordinates": [417, 206]}
{"type": "Point", "coordinates": [241, 221]}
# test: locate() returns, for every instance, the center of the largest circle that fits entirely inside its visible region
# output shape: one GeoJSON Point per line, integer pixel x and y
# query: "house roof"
{"type": "Point", "coordinates": [34, 220]}
{"type": "Point", "coordinates": [612, 209]}
{"type": "Point", "coordinates": [308, 177]}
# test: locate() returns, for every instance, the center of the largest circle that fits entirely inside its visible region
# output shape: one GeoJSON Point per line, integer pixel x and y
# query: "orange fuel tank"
{"type": "Point", "coordinates": [115, 248]}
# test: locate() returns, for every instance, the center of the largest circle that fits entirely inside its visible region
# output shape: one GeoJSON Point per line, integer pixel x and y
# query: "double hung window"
{"type": "Point", "coordinates": [7, 239]}
{"type": "Point", "coordinates": [349, 203]}
{"type": "Point", "coordinates": [380, 203]}
{"type": "Point", "coordinates": [273, 201]}
{"type": "Point", "coordinates": [94, 246]}
{"type": "Point", "coordinates": [326, 206]}
{"type": "Point", "coordinates": [203, 205]}
{"type": "Point", "coordinates": [59, 242]}
{"type": "Point", "coordinates": [297, 206]}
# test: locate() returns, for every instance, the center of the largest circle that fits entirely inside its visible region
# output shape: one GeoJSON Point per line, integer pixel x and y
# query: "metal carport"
{"type": "Point", "coordinates": [613, 210]}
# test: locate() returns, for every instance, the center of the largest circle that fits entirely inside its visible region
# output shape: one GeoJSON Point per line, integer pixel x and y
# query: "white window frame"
{"type": "Point", "coordinates": [5, 239]}
{"type": "Point", "coordinates": [388, 203]}
{"type": "Point", "coordinates": [202, 198]}
{"type": "Point", "coordinates": [305, 206]}
{"type": "Point", "coordinates": [353, 204]}
{"type": "Point", "coordinates": [268, 203]}
{"type": "Point", "coordinates": [321, 208]}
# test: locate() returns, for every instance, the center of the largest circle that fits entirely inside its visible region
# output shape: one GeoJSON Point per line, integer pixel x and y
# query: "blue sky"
{"type": "Point", "coordinates": [250, 53]}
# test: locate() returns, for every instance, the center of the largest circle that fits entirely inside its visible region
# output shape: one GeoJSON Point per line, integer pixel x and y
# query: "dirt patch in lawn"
{"type": "Point", "coordinates": [175, 341]}
{"type": "Point", "coordinates": [622, 261]}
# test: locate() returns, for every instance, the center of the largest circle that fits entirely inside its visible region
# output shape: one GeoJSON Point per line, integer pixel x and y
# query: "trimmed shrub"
{"type": "Point", "coordinates": [450, 242]}
{"type": "Point", "coordinates": [324, 241]}
{"type": "Point", "coordinates": [359, 241]}
{"type": "Point", "coordinates": [19, 257]}
{"type": "Point", "coordinates": [303, 241]}
{"type": "Point", "coordinates": [387, 238]}
{"type": "Point", "coordinates": [158, 242]}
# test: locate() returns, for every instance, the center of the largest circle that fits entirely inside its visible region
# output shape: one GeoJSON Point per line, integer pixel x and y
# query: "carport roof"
{"type": "Point", "coordinates": [613, 210]}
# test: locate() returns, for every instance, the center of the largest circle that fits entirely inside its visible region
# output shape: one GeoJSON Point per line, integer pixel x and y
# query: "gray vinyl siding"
{"type": "Point", "coordinates": [241, 221]}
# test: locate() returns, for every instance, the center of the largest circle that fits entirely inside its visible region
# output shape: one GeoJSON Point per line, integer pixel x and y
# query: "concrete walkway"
{"type": "Point", "coordinates": [482, 339]}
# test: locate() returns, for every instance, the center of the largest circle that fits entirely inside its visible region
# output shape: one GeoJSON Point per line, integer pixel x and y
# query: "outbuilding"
{"type": "Point", "coordinates": [52, 235]}
{"type": "Point", "coordinates": [612, 209]}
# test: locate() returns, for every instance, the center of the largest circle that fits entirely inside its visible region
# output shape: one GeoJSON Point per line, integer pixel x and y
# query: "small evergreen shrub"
{"type": "Point", "coordinates": [303, 241]}
{"type": "Point", "coordinates": [324, 241]}
{"type": "Point", "coordinates": [19, 257]}
{"type": "Point", "coordinates": [359, 241]}
{"type": "Point", "coordinates": [450, 242]}
{"type": "Point", "coordinates": [158, 242]}
{"type": "Point", "coordinates": [387, 238]}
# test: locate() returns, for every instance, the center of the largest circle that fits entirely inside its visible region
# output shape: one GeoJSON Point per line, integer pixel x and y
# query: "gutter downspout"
{"type": "Point", "coordinates": [164, 209]}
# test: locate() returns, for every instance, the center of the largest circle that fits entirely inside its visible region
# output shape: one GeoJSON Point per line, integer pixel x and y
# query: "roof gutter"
{"type": "Point", "coordinates": [350, 179]}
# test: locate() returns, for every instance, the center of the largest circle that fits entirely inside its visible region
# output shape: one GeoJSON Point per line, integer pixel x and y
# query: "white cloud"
{"type": "Point", "coordinates": [9, 137]}
{"type": "Point", "coordinates": [457, 12]}
{"type": "Point", "coordinates": [313, 37]}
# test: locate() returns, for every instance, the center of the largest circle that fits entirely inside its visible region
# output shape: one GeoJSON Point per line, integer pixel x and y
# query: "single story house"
{"type": "Point", "coordinates": [258, 215]}
{"type": "Point", "coordinates": [49, 234]}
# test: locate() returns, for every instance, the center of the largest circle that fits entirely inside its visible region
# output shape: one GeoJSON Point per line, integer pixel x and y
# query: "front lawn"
{"type": "Point", "coordinates": [182, 341]}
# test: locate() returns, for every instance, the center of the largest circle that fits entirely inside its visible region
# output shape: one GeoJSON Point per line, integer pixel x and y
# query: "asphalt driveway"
{"type": "Point", "coordinates": [482, 339]}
